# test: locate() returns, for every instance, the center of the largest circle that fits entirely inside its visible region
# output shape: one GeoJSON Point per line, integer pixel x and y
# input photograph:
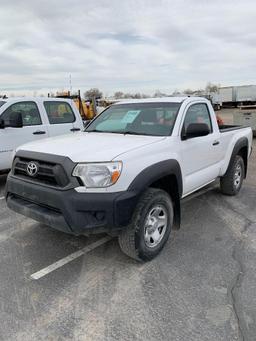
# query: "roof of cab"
{"type": "Point", "coordinates": [159, 100]}
{"type": "Point", "coordinates": [37, 99]}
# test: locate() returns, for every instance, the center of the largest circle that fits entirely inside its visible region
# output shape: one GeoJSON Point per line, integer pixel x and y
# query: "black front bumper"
{"type": "Point", "coordinates": [68, 210]}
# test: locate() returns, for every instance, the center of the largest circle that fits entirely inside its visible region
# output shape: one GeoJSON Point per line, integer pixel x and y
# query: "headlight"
{"type": "Point", "coordinates": [94, 175]}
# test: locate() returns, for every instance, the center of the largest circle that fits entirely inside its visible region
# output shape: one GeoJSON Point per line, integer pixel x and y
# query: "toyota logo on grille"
{"type": "Point", "coordinates": [32, 168]}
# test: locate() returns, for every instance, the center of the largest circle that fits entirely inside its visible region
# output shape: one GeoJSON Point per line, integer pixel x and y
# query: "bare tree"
{"type": "Point", "coordinates": [137, 95]}
{"type": "Point", "coordinates": [127, 95]}
{"type": "Point", "coordinates": [158, 93]}
{"type": "Point", "coordinates": [210, 87]}
{"type": "Point", "coordinates": [176, 92]}
{"type": "Point", "coordinates": [118, 94]}
{"type": "Point", "coordinates": [144, 96]}
{"type": "Point", "coordinates": [93, 93]}
{"type": "Point", "coordinates": [189, 92]}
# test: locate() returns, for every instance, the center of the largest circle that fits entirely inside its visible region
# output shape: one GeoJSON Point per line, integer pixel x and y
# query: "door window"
{"type": "Point", "coordinates": [29, 112]}
{"type": "Point", "coordinates": [59, 112]}
{"type": "Point", "coordinates": [197, 113]}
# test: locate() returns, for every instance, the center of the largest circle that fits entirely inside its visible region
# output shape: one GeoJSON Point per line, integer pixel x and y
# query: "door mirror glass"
{"type": "Point", "coordinates": [196, 130]}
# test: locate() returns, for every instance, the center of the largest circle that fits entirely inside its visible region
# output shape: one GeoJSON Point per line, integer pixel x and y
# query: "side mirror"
{"type": "Point", "coordinates": [196, 130]}
{"type": "Point", "coordinates": [15, 120]}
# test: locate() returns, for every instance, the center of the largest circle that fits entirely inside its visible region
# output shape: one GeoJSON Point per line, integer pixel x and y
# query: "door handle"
{"type": "Point", "coordinates": [215, 143]}
{"type": "Point", "coordinates": [75, 129]}
{"type": "Point", "coordinates": [39, 132]}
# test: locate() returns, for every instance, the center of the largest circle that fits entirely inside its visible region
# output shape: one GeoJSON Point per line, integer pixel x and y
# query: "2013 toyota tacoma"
{"type": "Point", "coordinates": [128, 171]}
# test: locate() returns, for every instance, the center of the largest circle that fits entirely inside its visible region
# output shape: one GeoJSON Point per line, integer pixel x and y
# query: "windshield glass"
{"type": "Point", "coordinates": [2, 103]}
{"type": "Point", "coordinates": [156, 119]}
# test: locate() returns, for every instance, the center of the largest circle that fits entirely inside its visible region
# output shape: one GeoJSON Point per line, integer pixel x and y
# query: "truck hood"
{"type": "Point", "coordinates": [90, 147]}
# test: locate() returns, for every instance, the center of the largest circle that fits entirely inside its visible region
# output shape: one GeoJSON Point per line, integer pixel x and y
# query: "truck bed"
{"type": "Point", "coordinates": [229, 127]}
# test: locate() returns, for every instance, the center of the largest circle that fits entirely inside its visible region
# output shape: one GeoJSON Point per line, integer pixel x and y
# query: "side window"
{"type": "Point", "coordinates": [198, 113]}
{"type": "Point", "coordinates": [29, 111]}
{"type": "Point", "coordinates": [59, 112]}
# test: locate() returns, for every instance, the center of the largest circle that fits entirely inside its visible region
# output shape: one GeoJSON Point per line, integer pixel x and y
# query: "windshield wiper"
{"type": "Point", "coordinates": [129, 132]}
{"type": "Point", "coordinates": [93, 131]}
{"type": "Point", "coordinates": [103, 131]}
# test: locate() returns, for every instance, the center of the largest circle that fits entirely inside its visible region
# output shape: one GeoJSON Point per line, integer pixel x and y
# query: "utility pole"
{"type": "Point", "coordinates": [70, 84]}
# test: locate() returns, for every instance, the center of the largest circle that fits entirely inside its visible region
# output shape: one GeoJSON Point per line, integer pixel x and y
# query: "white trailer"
{"type": "Point", "coordinates": [246, 93]}
{"type": "Point", "coordinates": [227, 94]}
{"type": "Point", "coordinates": [216, 100]}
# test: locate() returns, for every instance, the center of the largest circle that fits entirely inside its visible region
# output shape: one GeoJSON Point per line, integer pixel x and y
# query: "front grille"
{"type": "Point", "coordinates": [49, 173]}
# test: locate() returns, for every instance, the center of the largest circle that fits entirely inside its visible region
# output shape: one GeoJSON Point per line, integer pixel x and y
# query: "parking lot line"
{"type": "Point", "coordinates": [70, 258]}
{"type": "Point", "coordinates": [1, 198]}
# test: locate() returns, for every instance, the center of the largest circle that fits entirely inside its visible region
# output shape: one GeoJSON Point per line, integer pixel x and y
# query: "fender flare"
{"type": "Point", "coordinates": [241, 143]}
{"type": "Point", "coordinates": [156, 172]}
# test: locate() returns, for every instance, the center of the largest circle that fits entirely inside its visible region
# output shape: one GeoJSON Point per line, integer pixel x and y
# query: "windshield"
{"type": "Point", "coordinates": [156, 119]}
{"type": "Point", "coordinates": [2, 103]}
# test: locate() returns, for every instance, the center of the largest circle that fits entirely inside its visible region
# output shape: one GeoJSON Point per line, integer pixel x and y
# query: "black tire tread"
{"type": "Point", "coordinates": [126, 238]}
{"type": "Point", "coordinates": [227, 181]}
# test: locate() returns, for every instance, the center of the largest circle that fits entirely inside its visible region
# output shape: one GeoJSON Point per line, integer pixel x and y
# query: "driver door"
{"type": "Point", "coordinates": [200, 155]}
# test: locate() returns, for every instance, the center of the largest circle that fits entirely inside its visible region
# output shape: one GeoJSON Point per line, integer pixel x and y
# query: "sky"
{"type": "Point", "coordinates": [129, 46]}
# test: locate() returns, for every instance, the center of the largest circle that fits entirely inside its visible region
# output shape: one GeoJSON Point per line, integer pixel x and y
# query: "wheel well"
{"type": "Point", "coordinates": [169, 184]}
{"type": "Point", "coordinates": [243, 152]}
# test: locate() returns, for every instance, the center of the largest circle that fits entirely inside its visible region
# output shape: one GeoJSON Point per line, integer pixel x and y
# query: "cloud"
{"type": "Point", "coordinates": [131, 45]}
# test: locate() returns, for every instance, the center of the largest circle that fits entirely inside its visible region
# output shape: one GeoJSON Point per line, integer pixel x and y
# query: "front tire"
{"type": "Point", "coordinates": [150, 227]}
{"type": "Point", "coordinates": [231, 183]}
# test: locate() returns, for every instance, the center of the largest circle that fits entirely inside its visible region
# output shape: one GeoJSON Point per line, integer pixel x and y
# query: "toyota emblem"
{"type": "Point", "coordinates": [32, 168]}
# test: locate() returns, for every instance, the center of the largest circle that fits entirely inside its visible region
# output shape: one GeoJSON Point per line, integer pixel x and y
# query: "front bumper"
{"type": "Point", "coordinates": [68, 210]}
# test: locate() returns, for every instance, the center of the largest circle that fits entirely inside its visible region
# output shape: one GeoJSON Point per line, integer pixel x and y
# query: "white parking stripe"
{"type": "Point", "coordinates": [70, 258]}
{"type": "Point", "coordinates": [1, 198]}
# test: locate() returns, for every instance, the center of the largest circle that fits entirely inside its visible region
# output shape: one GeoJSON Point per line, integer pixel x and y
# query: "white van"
{"type": "Point", "coordinates": [28, 119]}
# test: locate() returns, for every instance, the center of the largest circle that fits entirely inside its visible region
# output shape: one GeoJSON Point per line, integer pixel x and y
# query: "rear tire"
{"type": "Point", "coordinates": [231, 183]}
{"type": "Point", "coordinates": [150, 227]}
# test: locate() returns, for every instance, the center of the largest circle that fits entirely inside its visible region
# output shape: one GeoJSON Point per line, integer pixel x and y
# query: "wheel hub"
{"type": "Point", "coordinates": [155, 225]}
{"type": "Point", "coordinates": [238, 176]}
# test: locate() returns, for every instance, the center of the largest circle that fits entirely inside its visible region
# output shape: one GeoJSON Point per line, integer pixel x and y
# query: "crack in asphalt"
{"type": "Point", "coordinates": [238, 278]}
{"type": "Point", "coordinates": [236, 283]}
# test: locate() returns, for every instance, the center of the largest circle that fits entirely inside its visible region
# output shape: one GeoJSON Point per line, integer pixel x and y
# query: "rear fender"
{"type": "Point", "coordinates": [238, 149]}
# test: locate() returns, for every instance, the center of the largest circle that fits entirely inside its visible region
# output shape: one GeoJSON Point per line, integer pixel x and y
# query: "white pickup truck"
{"type": "Point", "coordinates": [128, 171]}
{"type": "Point", "coordinates": [29, 119]}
